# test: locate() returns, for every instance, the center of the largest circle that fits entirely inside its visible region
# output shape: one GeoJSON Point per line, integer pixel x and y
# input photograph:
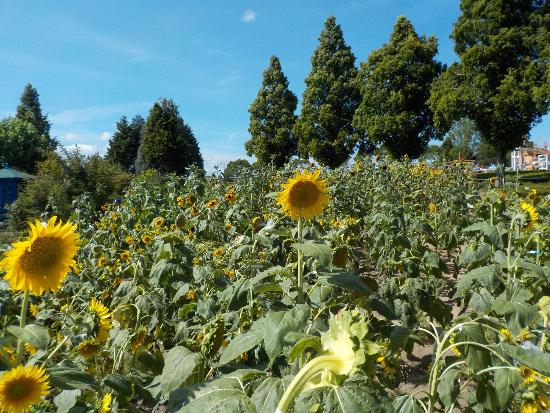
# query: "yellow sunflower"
{"type": "Point", "coordinates": [146, 239]}
{"type": "Point", "coordinates": [129, 240]}
{"type": "Point", "coordinates": [218, 252]}
{"type": "Point", "coordinates": [432, 207]}
{"type": "Point", "coordinates": [212, 203]}
{"type": "Point", "coordinates": [22, 387]}
{"type": "Point", "coordinates": [41, 262]}
{"type": "Point", "coordinates": [125, 256]}
{"type": "Point", "coordinates": [230, 195]}
{"type": "Point", "coordinates": [88, 348]}
{"type": "Point", "coordinates": [493, 180]}
{"type": "Point", "coordinates": [158, 222]}
{"type": "Point", "coordinates": [532, 214]}
{"type": "Point", "coordinates": [194, 211]}
{"type": "Point", "coordinates": [106, 403]}
{"type": "Point", "coordinates": [104, 319]}
{"type": "Point", "coordinates": [304, 195]}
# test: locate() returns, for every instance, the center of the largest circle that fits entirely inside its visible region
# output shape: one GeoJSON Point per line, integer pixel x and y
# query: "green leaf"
{"type": "Point", "coordinates": [534, 359]}
{"type": "Point", "coordinates": [33, 334]}
{"type": "Point", "coordinates": [407, 404]}
{"type": "Point", "coordinates": [66, 400]}
{"type": "Point", "coordinates": [241, 344]}
{"type": "Point", "coordinates": [484, 276]}
{"type": "Point", "coordinates": [448, 387]}
{"type": "Point", "coordinates": [119, 383]}
{"type": "Point", "coordinates": [345, 280]}
{"type": "Point", "coordinates": [318, 250]}
{"type": "Point", "coordinates": [179, 364]}
{"type": "Point", "coordinates": [506, 382]}
{"type": "Point", "coordinates": [267, 395]}
{"type": "Point", "coordinates": [304, 343]}
{"type": "Point", "coordinates": [278, 323]}
{"type": "Point", "coordinates": [67, 376]}
{"type": "Point", "coordinates": [518, 313]}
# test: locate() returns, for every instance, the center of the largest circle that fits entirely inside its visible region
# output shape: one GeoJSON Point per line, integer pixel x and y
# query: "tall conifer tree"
{"type": "Point", "coordinates": [29, 110]}
{"type": "Point", "coordinates": [324, 128]}
{"type": "Point", "coordinates": [124, 143]}
{"type": "Point", "coordinates": [168, 143]}
{"type": "Point", "coordinates": [272, 118]}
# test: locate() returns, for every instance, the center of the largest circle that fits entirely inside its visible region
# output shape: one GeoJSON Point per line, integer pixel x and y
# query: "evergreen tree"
{"type": "Point", "coordinates": [168, 143]}
{"type": "Point", "coordinates": [324, 128]}
{"type": "Point", "coordinates": [272, 118]}
{"type": "Point", "coordinates": [499, 73]}
{"type": "Point", "coordinates": [124, 143]}
{"type": "Point", "coordinates": [29, 110]}
{"type": "Point", "coordinates": [395, 85]}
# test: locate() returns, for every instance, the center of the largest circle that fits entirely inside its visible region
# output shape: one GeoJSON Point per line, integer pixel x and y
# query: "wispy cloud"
{"type": "Point", "coordinates": [248, 16]}
{"type": "Point", "coordinates": [233, 76]}
{"type": "Point", "coordinates": [85, 149]}
{"type": "Point", "coordinates": [69, 117]}
{"type": "Point", "coordinates": [105, 136]}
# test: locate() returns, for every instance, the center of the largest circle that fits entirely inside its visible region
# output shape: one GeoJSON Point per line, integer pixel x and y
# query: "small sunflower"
{"type": "Point", "coordinates": [218, 252]}
{"type": "Point", "coordinates": [493, 180]}
{"type": "Point", "coordinates": [527, 374]}
{"type": "Point", "coordinates": [540, 404]}
{"type": "Point", "coordinates": [432, 207]}
{"type": "Point", "coordinates": [304, 195]}
{"type": "Point", "coordinates": [212, 203]}
{"type": "Point", "coordinates": [194, 211]}
{"type": "Point", "coordinates": [104, 319]}
{"type": "Point", "coordinates": [506, 335]}
{"type": "Point", "coordinates": [41, 262]}
{"type": "Point", "coordinates": [146, 239]}
{"type": "Point", "coordinates": [22, 387]}
{"type": "Point", "coordinates": [228, 226]}
{"type": "Point", "coordinates": [34, 309]}
{"type": "Point", "coordinates": [106, 403]}
{"type": "Point", "coordinates": [88, 348]}
{"type": "Point", "coordinates": [158, 222]}
{"type": "Point", "coordinates": [189, 199]}
{"type": "Point", "coordinates": [230, 195]}
{"type": "Point", "coordinates": [129, 240]}
{"type": "Point", "coordinates": [532, 214]}
{"type": "Point", "coordinates": [191, 294]}
{"type": "Point", "coordinates": [125, 256]}
{"type": "Point", "coordinates": [29, 348]}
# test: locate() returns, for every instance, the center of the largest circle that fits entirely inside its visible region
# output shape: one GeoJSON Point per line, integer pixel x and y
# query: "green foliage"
{"type": "Point", "coordinates": [60, 180]}
{"type": "Point", "coordinates": [324, 128]}
{"type": "Point", "coordinates": [499, 73]}
{"type": "Point", "coordinates": [236, 169]}
{"type": "Point", "coordinates": [395, 85]}
{"type": "Point", "coordinates": [29, 110]}
{"type": "Point", "coordinates": [168, 143]}
{"type": "Point", "coordinates": [21, 147]}
{"type": "Point", "coordinates": [124, 143]}
{"type": "Point", "coordinates": [272, 118]}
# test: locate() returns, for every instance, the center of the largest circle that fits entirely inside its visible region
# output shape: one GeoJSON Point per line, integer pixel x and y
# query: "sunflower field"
{"type": "Point", "coordinates": [385, 286]}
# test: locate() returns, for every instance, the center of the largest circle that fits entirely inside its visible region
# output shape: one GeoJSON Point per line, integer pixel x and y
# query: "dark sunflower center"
{"type": "Point", "coordinates": [44, 253]}
{"type": "Point", "coordinates": [304, 194]}
{"type": "Point", "coordinates": [20, 388]}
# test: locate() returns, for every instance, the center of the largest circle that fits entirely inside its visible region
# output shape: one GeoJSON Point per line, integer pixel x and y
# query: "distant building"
{"type": "Point", "coordinates": [9, 179]}
{"type": "Point", "coordinates": [530, 159]}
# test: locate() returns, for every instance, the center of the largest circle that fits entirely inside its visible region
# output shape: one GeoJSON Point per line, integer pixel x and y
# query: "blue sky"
{"type": "Point", "coordinates": [93, 62]}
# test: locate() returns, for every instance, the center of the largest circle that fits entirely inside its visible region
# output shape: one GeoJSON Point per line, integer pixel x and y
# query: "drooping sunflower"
{"type": "Point", "coordinates": [532, 214]}
{"type": "Point", "coordinates": [103, 320]}
{"type": "Point", "coordinates": [88, 348]}
{"type": "Point", "coordinates": [304, 195]}
{"type": "Point", "coordinates": [22, 387]}
{"type": "Point", "coordinates": [106, 403]}
{"type": "Point", "coordinates": [43, 260]}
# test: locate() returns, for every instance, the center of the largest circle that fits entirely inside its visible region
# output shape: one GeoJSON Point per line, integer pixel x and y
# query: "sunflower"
{"type": "Point", "coordinates": [528, 374]}
{"type": "Point", "coordinates": [532, 214]}
{"type": "Point", "coordinates": [228, 226]}
{"type": "Point", "coordinates": [146, 239]}
{"type": "Point", "coordinates": [218, 252]}
{"type": "Point", "coordinates": [22, 387]}
{"type": "Point", "coordinates": [104, 319]}
{"type": "Point", "coordinates": [32, 350]}
{"type": "Point", "coordinates": [540, 404]}
{"type": "Point", "coordinates": [212, 203]}
{"type": "Point", "coordinates": [106, 403]}
{"type": "Point", "coordinates": [88, 348]}
{"type": "Point", "coordinates": [125, 256]}
{"type": "Point", "coordinates": [432, 207]}
{"type": "Point", "coordinates": [230, 195]}
{"type": "Point", "coordinates": [34, 309]}
{"type": "Point", "coordinates": [304, 195]}
{"type": "Point", "coordinates": [129, 240]}
{"type": "Point", "coordinates": [191, 295]}
{"type": "Point", "coordinates": [493, 180]}
{"type": "Point", "coordinates": [41, 262]}
{"type": "Point", "coordinates": [194, 211]}
{"type": "Point", "coordinates": [158, 222]}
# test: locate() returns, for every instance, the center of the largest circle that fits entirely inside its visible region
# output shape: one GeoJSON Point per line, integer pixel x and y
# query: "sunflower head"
{"type": "Point", "coordinates": [22, 387]}
{"type": "Point", "coordinates": [106, 403]}
{"type": "Point", "coordinates": [493, 180]}
{"type": "Point", "coordinates": [125, 256]}
{"type": "Point", "coordinates": [158, 222]}
{"type": "Point", "coordinates": [103, 320]}
{"type": "Point", "coordinates": [42, 261]}
{"type": "Point", "coordinates": [230, 195]}
{"type": "Point", "coordinates": [146, 239]}
{"type": "Point", "coordinates": [212, 203]}
{"type": "Point", "coordinates": [304, 195]}
{"type": "Point", "coordinates": [532, 214]}
{"type": "Point", "coordinates": [218, 252]}
{"type": "Point", "coordinates": [88, 348]}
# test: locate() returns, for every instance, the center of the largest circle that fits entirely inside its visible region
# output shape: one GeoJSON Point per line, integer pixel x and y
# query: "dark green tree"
{"type": "Point", "coordinates": [499, 74]}
{"type": "Point", "coordinates": [168, 143]}
{"type": "Point", "coordinates": [395, 86]}
{"type": "Point", "coordinates": [324, 128]}
{"type": "Point", "coordinates": [237, 169]}
{"type": "Point", "coordinates": [29, 110]}
{"type": "Point", "coordinates": [124, 143]}
{"type": "Point", "coordinates": [21, 147]}
{"type": "Point", "coordinates": [272, 118]}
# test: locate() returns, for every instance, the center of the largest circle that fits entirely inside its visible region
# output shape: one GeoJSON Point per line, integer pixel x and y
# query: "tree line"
{"type": "Point", "coordinates": [401, 98]}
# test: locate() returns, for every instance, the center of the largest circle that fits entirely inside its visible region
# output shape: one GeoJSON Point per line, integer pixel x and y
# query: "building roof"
{"type": "Point", "coordinates": [9, 173]}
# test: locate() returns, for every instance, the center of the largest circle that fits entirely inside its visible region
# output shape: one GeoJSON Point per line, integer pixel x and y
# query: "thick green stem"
{"type": "Point", "coordinates": [306, 374]}
{"type": "Point", "coordinates": [22, 321]}
{"type": "Point", "coordinates": [300, 262]}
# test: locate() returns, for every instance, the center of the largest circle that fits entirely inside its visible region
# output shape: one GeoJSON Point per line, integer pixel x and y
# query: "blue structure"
{"type": "Point", "coordinates": [9, 179]}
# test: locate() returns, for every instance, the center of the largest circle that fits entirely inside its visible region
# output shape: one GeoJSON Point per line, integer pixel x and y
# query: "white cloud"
{"type": "Point", "coordinates": [248, 16]}
{"type": "Point", "coordinates": [105, 136]}
{"type": "Point", "coordinates": [68, 117]}
{"type": "Point", "coordinates": [70, 136]}
{"type": "Point", "coordinates": [220, 160]}
{"type": "Point", "coordinates": [84, 148]}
